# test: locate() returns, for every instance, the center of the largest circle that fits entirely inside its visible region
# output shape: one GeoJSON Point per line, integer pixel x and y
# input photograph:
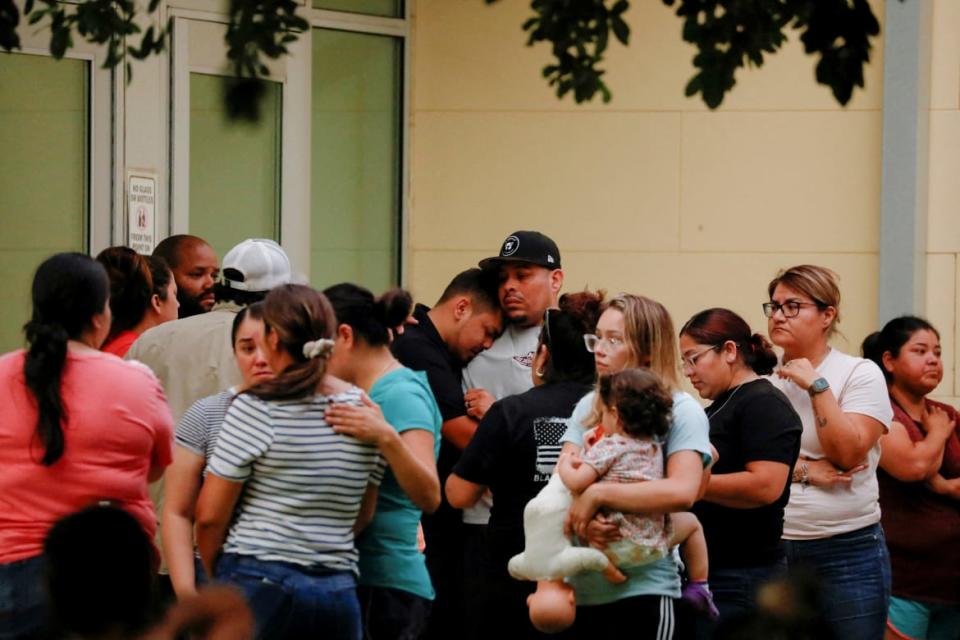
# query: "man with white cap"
{"type": "Point", "coordinates": [193, 357]}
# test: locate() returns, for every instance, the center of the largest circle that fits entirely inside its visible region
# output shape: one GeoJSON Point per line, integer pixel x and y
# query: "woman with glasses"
{"type": "Point", "coordinates": [515, 449]}
{"type": "Point", "coordinates": [756, 433]}
{"type": "Point", "coordinates": [832, 521]}
{"type": "Point", "coordinates": [635, 331]}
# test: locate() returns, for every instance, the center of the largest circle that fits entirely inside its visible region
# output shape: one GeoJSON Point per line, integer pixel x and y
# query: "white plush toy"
{"type": "Point", "coordinates": [548, 554]}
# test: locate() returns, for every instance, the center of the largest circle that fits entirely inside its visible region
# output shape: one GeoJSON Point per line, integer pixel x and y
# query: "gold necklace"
{"type": "Point", "coordinates": [729, 398]}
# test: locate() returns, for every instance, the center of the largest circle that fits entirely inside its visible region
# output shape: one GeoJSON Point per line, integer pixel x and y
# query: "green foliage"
{"type": "Point", "coordinates": [257, 28]}
{"type": "Point", "coordinates": [731, 34]}
{"type": "Point", "coordinates": [728, 35]}
{"type": "Point", "coordinates": [104, 22]}
{"type": "Point", "coordinates": [579, 31]}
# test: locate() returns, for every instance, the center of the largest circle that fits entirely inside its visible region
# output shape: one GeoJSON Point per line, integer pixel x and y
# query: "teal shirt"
{"type": "Point", "coordinates": [689, 430]}
{"type": "Point", "coordinates": [388, 546]}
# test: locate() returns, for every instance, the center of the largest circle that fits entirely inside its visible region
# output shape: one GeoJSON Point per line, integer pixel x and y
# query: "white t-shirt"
{"type": "Point", "coordinates": [504, 370]}
{"type": "Point", "coordinates": [815, 512]}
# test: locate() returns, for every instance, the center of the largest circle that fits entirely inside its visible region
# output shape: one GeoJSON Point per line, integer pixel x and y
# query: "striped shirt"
{"type": "Point", "coordinates": [198, 428]}
{"type": "Point", "coordinates": [304, 482]}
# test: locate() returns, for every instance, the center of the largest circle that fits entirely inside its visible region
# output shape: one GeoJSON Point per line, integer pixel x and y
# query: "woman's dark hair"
{"type": "Point", "coordinates": [562, 334]}
{"type": "Point", "coordinates": [716, 326]}
{"type": "Point", "coordinates": [161, 274]}
{"type": "Point", "coordinates": [68, 290]}
{"type": "Point", "coordinates": [100, 573]}
{"type": "Point", "coordinates": [253, 311]}
{"type": "Point", "coordinates": [641, 400]}
{"type": "Point", "coordinates": [892, 337]}
{"type": "Point", "coordinates": [297, 314]}
{"type": "Point", "coordinates": [372, 319]}
{"type": "Point", "coordinates": [131, 286]}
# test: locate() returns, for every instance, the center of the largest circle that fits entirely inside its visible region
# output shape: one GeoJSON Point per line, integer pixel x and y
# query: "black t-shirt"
{"type": "Point", "coordinates": [750, 423]}
{"type": "Point", "coordinates": [513, 453]}
{"type": "Point", "coordinates": [421, 348]}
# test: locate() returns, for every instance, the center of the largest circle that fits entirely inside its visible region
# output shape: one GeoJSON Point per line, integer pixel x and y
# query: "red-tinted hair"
{"type": "Point", "coordinates": [716, 326]}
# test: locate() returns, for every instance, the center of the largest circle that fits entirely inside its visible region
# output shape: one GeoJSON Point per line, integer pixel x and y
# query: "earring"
{"type": "Point", "coordinates": [539, 372]}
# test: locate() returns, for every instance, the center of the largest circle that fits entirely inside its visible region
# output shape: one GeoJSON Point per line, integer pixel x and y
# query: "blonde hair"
{"type": "Point", "coordinates": [652, 343]}
{"type": "Point", "coordinates": [649, 334]}
{"type": "Point", "coordinates": [820, 284]}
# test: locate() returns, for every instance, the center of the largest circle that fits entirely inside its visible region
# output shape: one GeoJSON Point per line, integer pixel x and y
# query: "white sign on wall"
{"type": "Point", "coordinates": [141, 213]}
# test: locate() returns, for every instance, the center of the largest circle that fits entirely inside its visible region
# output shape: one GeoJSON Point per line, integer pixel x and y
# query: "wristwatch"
{"type": "Point", "coordinates": [819, 386]}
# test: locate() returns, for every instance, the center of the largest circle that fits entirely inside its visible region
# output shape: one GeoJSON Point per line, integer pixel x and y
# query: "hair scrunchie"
{"type": "Point", "coordinates": [317, 348]}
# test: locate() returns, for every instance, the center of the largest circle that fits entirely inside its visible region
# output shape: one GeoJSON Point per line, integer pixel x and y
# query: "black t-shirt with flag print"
{"type": "Point", "coordinates": [513, 453]}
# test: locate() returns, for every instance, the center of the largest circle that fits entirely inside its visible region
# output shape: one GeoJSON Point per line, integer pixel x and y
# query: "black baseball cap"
{"type": "Point", "coordinates": [526, 246]}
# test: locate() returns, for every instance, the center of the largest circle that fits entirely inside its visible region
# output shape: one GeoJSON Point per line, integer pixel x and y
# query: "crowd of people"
{"type": "Point", "coordinates": [511, 460]}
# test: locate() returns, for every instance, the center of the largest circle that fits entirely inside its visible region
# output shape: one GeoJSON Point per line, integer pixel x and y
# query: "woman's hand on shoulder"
{"type": "Point", "coordinates": [800, 371]}
{"type": "Point", "coordinates": [365, 423]}
{"type": "Point", "coordinates": [937, 421]}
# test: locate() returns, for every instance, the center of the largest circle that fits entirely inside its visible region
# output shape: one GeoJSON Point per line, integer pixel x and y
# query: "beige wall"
{"type": "Point", "coordinates": [652, 193]}
{"type": "Point", "coordinates": [943, 224]}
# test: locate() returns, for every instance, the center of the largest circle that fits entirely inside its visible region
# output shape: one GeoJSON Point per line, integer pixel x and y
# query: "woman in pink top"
{"type": "Point", "coordinates": [79, 427]}
{"type": "Point", "coordinates": [143, 294]}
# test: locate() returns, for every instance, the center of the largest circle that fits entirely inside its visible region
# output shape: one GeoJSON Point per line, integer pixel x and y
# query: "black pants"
{"type": "Point", "coordinates": [392, 614]}
{"type": "Point", "coordinates": [641, 617]}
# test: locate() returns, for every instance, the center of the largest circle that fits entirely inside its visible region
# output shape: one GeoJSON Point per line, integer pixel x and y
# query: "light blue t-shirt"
{"type": "Point", "coordinates": [689, 431]}
{"type": "Point", "coordinates": [389, 556]}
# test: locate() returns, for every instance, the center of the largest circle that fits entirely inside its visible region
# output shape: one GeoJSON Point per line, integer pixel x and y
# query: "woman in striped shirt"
{"type": "Point", "coordinates": [196, 439]}
{"type": "Point", "coordinates": [290, 490]}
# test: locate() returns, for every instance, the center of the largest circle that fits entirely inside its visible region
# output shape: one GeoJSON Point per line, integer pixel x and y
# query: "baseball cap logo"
{"type": "Point", "coordinates": [510, 246]}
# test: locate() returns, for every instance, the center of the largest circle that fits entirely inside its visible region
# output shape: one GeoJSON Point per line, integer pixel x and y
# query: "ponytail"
{"type": "Point", "coordinates": [301, 317]}
{"type": "Point", "coordinates": [131, 287]}
{"type": "Point", "coordinates": [68, 290]}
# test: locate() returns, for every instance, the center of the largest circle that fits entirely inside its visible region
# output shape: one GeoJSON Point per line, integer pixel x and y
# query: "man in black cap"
{"type": "Point", "coordinates": [530, 277]}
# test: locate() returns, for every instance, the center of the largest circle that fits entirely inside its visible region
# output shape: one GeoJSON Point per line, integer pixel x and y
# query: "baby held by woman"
{"type": "Point", "coordinates": [633, 414]}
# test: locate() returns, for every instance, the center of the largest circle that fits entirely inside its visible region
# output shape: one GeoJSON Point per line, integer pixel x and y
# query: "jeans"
{"type": "Point", "coordinates": [735, 589]}
{"type": "Point", "coordinates": [290, 601]}
{"type": "Point", "coordinates": [855, 570]}
{"type": "Point", "coordinates": [23, 601]}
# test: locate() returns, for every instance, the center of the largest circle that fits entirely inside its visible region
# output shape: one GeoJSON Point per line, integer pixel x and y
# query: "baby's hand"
{"type": "Point", "coordinates": [570, 459]}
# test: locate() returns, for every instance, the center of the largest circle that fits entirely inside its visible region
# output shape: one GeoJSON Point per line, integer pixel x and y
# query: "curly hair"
{"type": "Point", "coordinates": [642, 401]}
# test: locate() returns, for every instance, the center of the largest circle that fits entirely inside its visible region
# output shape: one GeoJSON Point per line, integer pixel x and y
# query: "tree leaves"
{"type": "Point", "coordinates": [257, 28]}
{"type": "Point", "coordinates": [9, 19]}
{"type": "Point", "coordinates": [731, 34]}
{"type": "Point", "coordinates": [728, 35]}
{"type": "Point", "coordinates": [579, 31]}
{"type": "Point", "coordinates": [110, 23]}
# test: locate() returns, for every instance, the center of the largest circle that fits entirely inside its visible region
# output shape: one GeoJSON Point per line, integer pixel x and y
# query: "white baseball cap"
{"type": "Point", "coordinates": [257, 264]}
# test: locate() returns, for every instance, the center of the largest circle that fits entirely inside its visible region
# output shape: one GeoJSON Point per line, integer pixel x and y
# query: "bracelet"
{"type": "Point", "coordinates": [801, 474]}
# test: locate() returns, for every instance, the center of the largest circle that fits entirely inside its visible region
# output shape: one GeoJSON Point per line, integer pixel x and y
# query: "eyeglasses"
{"type": "Point", "coordinates": [689, 362]}
{"type": "Point", "coordinates": [790, 308]}
{"type": "Point", "coordinates": [591, 341]}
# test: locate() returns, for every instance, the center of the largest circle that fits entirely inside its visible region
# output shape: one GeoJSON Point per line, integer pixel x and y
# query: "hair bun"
{"type": "Point", "coordinates": [393, 307]}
